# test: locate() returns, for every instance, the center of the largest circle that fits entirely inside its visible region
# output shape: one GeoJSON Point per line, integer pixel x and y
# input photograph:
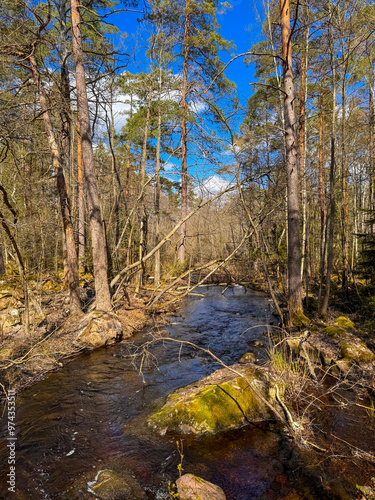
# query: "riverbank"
{"type": "Point", "coordinates": [55, 336]}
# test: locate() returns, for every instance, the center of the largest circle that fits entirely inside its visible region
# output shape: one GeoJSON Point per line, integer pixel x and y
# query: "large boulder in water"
{"type": "Point", "coordinates": [223, 400]}
{"type": "Point", "coordinates": [192, 487]}
{"type": "Point", "coordinates": [99, 329]}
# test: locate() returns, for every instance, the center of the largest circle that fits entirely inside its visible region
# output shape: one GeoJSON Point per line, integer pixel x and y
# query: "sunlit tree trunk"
{"type": "Point", "coordinates": [302, 146]}
{"type": "Point", "coordinates": [81, 202]}
{"type": "Point", "coordinates": [72, 262]}
{"type": "Point", "coordinates": [332, 198]}
{"type": "Point", "coordinates": [322, 189]}
{"type": "Point", "coordinates": [157, 271]}
{"type": "Point", "coordinates": [103, 298]}
{"type": "Point", "coordinates": [184, 169]}
{"type": "Point", "coordinates": [294, 252]}
{"type": "Point", "coordinates": [143, 213]}
{"type": "Point", "coordinates": [345, 184]}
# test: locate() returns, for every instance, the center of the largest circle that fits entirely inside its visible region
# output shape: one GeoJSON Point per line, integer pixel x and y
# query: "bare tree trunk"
{"type": "Point", "coordinates": [322, 193]}
{"type": "Point", "coordinates": [75, 301]}
{"type": "Point", "coordinates": [103, 298]}
{"type": "Point", "coordinates": [81, 203]}
{"type": "Point", "coordinates": [127, 184]}
{"type": "Point", "coordinates": [302, 141]}
{"type": "Point", "coordinates": [371, 135]}
{"type": "Point", "coordinates": [157, 195]}
{"type": "Point", "coordinates": [344, 185]}
{"type": "Point", "coordinates": [324, 306]}
{"type": "Point", "coordinates": [143, 214]}
{"type": "Point", "coordinates": [294, 251]}
{"type": "Point", "coordinates": [2, 265]}
{"type": "Point", "coordinates": [184, 169]}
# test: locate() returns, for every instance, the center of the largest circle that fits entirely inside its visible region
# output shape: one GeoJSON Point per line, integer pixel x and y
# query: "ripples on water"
{"type": "Point", "coordinates": [91, 415]}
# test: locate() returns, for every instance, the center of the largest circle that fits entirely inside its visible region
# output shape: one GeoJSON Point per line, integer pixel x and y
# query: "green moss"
{"type": "Point", "coordinates": [334, 331]}
{"type": "Point", "coordinates": [299, 319]}
{"type": "Point", "coordinates": [343, 322]}
{"type": "Point", "coordinates": [211, 409]}
{"type": "Point", "coordinates": [360, 353]}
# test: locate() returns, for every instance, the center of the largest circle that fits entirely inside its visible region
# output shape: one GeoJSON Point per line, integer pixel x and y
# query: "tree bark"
{"type": "Point", "coordinates": [81, 202]}
{"type": "Point", "coordinates": [157, 194]}
{"type": "Point", "coordinates": [72, 262]}
{"type": "Point", "coordinates": [294, 252]}
{"type": "Point", "coordinates": [302, 142]}
{"type": "Point", "coordinates": [103, 298]}
{"type": "Point", "coordinates": [324, 306]}
{"type": "Point", "coordinates": [344, 184]}
{"type": "Point", "coordinates": [2, 265]}
{"type": "Point", "coordinates": [184, 169]}
{"type": "Point", "coordinates": [322, 190]}
{"type": "Point", "coordinates": [143, 214]}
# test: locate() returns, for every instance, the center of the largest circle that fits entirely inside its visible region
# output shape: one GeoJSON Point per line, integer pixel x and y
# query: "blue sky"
{"type": "Point", "coordinates": [239, 24]}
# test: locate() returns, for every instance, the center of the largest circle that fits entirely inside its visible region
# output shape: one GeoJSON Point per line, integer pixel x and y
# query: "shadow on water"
{"type": "Point", "coordinates": [91, 415]}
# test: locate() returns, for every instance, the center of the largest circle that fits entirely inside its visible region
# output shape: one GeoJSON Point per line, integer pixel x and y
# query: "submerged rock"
{"type": "Point", "coordinates": [192, 487]}
{"type": "Point", "coordinates": [99, 329]}
{"type": "Point", "coordinates": [221, 401]}
{"type": "Point", "coordinates": [109, 485]}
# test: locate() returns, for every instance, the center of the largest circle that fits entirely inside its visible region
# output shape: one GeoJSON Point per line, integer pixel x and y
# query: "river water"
{"type": "Point", "coordinates": [91, 415]}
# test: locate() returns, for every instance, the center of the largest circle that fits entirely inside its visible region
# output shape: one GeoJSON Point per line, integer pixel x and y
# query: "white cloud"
{"type": "Point", "coordinates": [212, 186]}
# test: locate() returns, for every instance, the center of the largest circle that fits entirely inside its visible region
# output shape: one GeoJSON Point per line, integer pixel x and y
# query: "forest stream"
{"type": "Point", "coordinates": [91, 415]}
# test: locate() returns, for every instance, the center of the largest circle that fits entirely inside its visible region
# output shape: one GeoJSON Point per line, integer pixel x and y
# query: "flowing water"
{"type": "Point", "coordinates": [91, 415]}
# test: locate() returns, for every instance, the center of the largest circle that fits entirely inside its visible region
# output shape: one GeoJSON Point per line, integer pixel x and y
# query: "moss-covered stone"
{"type": "Point", "coordinates": [357, 352]}
{"type": "Point", "coordinates": [249, 357]}
{"type": "Point", "coordinates": [229, 403]}
{"type": "Point", "coordinates": [334, 331]}
{"type": "Point", "coordinates": [345, 323]}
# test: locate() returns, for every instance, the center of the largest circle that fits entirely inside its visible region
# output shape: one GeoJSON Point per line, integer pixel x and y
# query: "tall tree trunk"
{"type": "Point", "coordinates": [143, 214]}
{"type": "Point", "coordinates": [302, 141]}
{"type": "Point", "coordinates": [322, 190]}
{"type": "Point", "coordinates": [128, 149]}
{"type": "Point", "coordinates": [294, 251]}
{"type": "Point", "coordinates": [184, 107]}
{"type": "Point", "coordinates": [2, 265]}
{"type": "Point", "coordinates": [157, 193]}
{"type": "Point", "coordinates": [103, 298]}
{"type": "Point", "coordinates": [324, 305]}
{"type": "Point", "coordinates": [81, 202]}
{"type": "Point", "coordinates": [72, 262]}
{"type": "Point", "coordinates": [371, 98]}
{"type": "Point", "coordinates": [344, 185]}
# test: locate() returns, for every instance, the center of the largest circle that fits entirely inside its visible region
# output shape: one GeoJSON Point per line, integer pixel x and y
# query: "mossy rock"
{"type": "Point", "coordinates": [257, 344]}
{"type": "Point", "coordinates": [249, 357]}
{"type": "Point", "coordinates": [334, 332]}
{"type": "Point", "coordinates": [109, 485]}
{"type": "Point", "coordinates": [345, 323]}
{"type": "Point", "coordinates": [357, 352]}
{"type": "Point", "coordinates": [192, 487]}
{"type": "Point", "coordinates": [218, 402]}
